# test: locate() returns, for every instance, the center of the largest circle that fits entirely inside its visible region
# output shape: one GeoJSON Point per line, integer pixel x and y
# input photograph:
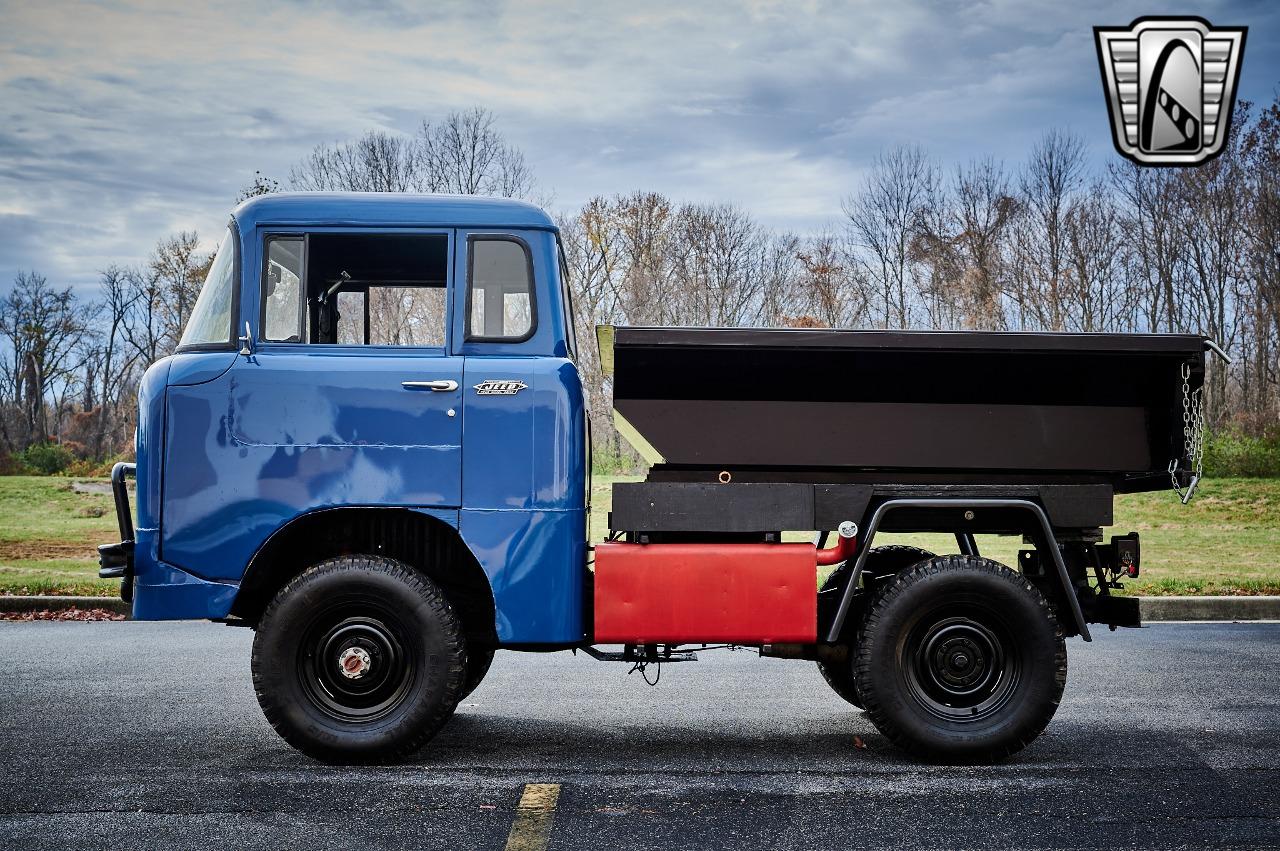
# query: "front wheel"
{"type": "Point", "coordinates": [961, 659]}
{"type": "Point", "coordinates": [478, 662]}
{"type": "Point", "coordinates": [358, 659]}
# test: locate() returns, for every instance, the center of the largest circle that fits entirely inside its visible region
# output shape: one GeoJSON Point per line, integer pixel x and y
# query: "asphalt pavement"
{"type": "Point", "coordinates": [146, 735]}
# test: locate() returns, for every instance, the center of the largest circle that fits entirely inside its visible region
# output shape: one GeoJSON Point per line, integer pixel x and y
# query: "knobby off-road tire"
{"type": "Point", "coordinates": [358, 659]}
{"type": "Point", "coordinates": [477, 665]}
{"type": "Point", "coordinates": [892, 558]}
{"type": "Point", "coordinates": [960, 659]}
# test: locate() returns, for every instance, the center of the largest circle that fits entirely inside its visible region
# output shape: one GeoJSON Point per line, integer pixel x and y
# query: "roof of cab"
{"type": "Point", "coordinates": [389, 209]}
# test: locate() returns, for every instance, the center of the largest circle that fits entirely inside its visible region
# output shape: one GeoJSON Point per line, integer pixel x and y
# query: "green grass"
{"type": "Point", "coordinates": [48, 537]}
{"type": "Point", "coordinates": [1227, 541]}
{"type": "Point", "coordinates": [47, 508]}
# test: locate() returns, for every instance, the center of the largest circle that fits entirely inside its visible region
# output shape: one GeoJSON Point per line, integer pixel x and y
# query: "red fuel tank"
{"type": "Point", "coordinates": [695, 593]}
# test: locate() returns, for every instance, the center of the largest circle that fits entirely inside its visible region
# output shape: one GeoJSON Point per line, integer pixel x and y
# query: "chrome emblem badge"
{"type": "Point", "coordinates": [1170, 86]}
{"type": "Point", "coordinates": [499, 387]}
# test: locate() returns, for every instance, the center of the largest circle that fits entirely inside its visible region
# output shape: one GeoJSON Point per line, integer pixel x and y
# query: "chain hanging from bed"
{"type": "Point", "coordinates": [1192, 438]}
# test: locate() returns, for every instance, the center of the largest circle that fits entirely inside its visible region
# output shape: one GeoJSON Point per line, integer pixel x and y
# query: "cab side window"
{"type": "Point", "coordinates": [500, 305]}
{"type": "Point", "coordinates": [379, 289]}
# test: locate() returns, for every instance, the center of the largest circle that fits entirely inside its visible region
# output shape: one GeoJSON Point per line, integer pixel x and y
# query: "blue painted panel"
{"type": "Point", "coordinates": [560, 421]}
{"type": "Point", "coordinates": [225, 495]}
{"type": "Point", "coordinates": [500, 442]}
{"type": "Point", "coordinates": [301, 396]}
{"type": "Point", "coordinates": [171, 594]}
{"type": "Point", "coordinates": [525, 450]}
{"type": "Point", "coordinates": [384, 209]}
{"type": "Point", "coordinates": [149, 444]}
{"type": "Point", "coordinates": [535, 561]}
{"type": "Point", "coordinates": [199, 367]}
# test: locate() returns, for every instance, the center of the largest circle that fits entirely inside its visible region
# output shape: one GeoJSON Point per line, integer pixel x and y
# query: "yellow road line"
{"type": "Point", "coordinates": [531, 831]}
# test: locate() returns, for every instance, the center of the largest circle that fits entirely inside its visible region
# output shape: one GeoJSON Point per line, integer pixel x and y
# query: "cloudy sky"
{"type": "Point", "coordinates": [121, 122]}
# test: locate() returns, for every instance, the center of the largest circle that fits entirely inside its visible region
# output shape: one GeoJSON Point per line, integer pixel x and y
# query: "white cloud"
{"type": "Point", "coordinates": [122, 122]}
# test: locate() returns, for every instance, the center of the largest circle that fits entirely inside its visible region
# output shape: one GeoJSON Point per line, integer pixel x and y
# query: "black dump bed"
{"type": "Point", "coordinates": [920, 405]}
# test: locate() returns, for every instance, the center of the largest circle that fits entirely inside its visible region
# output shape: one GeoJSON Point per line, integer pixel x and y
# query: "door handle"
{"type": "Point", "coordinates": [444, 385]}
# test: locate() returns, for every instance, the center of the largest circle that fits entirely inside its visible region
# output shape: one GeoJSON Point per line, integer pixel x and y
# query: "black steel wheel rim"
{"type": "Point", "coordinates": [961, 665]}
{"type": "Point", "coordinates": [355, 664]}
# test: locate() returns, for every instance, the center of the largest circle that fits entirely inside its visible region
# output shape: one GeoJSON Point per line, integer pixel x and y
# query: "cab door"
{"type": "Point", "coordinates": [523, 512]}
{"type": "Point", "coordinates": [349, 396]}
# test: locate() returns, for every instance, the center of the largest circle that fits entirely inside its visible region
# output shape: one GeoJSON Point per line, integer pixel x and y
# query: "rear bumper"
{"type": "Point", "coordinates": [115, 561]}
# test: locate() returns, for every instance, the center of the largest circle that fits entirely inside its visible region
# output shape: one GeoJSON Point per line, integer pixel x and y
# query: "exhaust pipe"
{"type": "Point", "coordinates": [845, 547]}
{"type": "Point", "coordinates": [834, 654]}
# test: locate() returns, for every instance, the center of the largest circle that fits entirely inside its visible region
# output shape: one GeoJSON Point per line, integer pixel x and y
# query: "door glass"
{"type": "Point", "coordinates": [501, 291]}
{"type": "Point", "coordinates": [282, 291]}
{"type": "Point", "coordinates": [210, 321]}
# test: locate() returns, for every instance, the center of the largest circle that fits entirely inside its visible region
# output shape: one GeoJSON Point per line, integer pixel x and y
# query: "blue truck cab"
{"type": "Point", "coordinates": [381, 375]}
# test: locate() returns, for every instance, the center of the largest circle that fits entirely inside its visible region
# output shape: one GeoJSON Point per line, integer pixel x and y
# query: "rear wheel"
{"type": "Point", "coordinates": [881, 561]}
{"type": "Point", "coordinates": [961, 658]}
{"type": "Point", "coordinates": [358, 659]}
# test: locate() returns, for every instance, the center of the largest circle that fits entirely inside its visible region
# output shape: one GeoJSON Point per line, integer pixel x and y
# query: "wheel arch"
{"type": "Point", "coordinates": [425, 542]}
{"type": "Point", "coordinates": [1036, 522]}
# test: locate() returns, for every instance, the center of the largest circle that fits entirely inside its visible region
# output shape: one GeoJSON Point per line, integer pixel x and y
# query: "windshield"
{"type": "Point", "coordinates": [210, 320]}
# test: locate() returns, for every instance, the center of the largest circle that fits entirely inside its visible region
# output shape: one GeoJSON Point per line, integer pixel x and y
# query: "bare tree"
{"type": "Point", "coordinates": [109, 367]}
{"type": "Point", "coordinates": [463, 154]}
{"type": "Point", "coordinates": [883, 218]}
{"type": "Point", "coordinates": [1048, 183]}
{"type": "Point", "coordinates": [178, 267]}
{"type": "Point", "coordinates": [143, 327]}
{"type": "Point", "coordinates": [43, 327]}
{"type": "Point", "coordinates": [588, 250]}
{"type": "Point", "coordinates": [261, 185]}
{"type": "Point", "coordinates": [376, 162]}
{"type": "Point", "coordinates": [781, 270]}
{"type": "Point", "coordinates": [1092, 292]}
{"type": "Point", "coordinates": [964, 245]}
{"type": "Point", "coordinates": [830, 291]}
{"type": "Point", "coordinates": [466, 155]}
{"type": "Point", "coordinates": [640, 270]}
{"type": "Point", "coordinates": [718, 260]}
{"type": "Point", "coordinates": [1156, 252]}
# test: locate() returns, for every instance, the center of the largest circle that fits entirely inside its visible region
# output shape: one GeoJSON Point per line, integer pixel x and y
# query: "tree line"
{"type": "Point", "coordinates": [1042, 244]}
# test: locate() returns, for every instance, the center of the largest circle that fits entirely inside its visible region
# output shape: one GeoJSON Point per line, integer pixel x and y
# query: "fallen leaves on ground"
{"type": "Point", "coordinates": [71, 614]}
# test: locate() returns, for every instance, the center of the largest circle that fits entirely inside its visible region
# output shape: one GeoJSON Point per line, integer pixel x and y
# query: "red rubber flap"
{"type": "Point", "coordinates": [693, 593]}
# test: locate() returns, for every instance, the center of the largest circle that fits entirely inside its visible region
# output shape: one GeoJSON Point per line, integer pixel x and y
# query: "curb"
{"type": "Point", "coordinates": [1209, 608]}
{"type": "Point", "coordinates": [57, 604]}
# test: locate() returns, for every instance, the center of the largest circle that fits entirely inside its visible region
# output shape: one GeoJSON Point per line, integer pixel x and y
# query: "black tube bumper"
{"type": "Point", "coordinates": [115, 561]}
